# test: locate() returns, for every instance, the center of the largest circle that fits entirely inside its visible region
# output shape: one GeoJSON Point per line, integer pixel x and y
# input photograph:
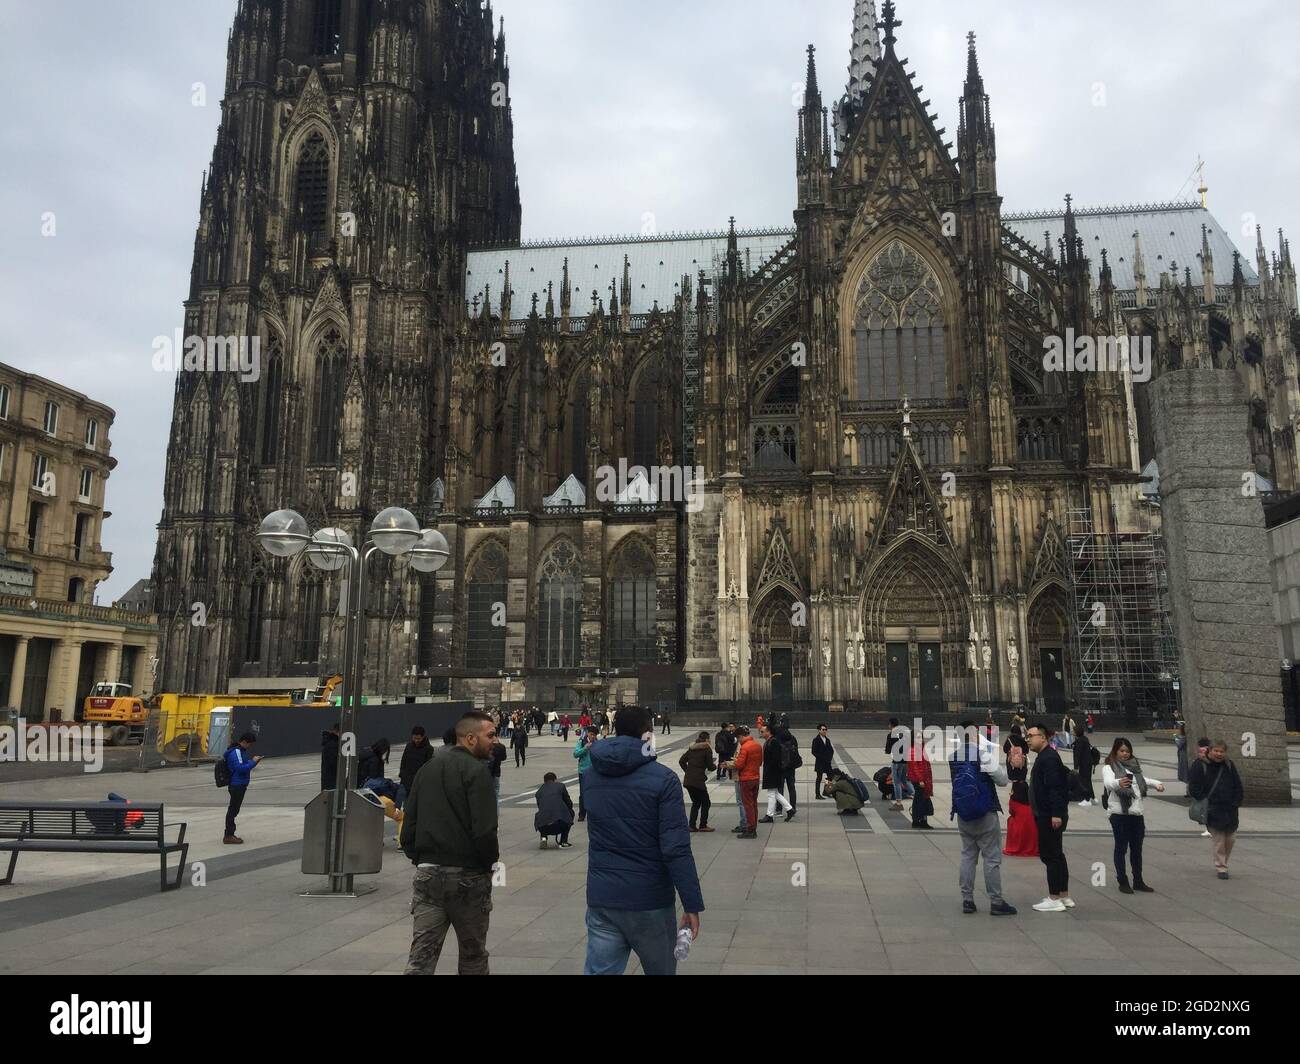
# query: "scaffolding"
{"type": "Point", "coordinates": [1122, 637]}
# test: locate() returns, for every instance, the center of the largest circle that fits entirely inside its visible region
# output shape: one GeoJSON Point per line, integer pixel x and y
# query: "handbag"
{"type": "Point", "coordinates": [1200, 807]}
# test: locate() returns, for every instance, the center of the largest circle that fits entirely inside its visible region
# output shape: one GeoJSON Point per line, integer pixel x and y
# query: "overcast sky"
{"type": "Point", "coordinates": [680, 108]}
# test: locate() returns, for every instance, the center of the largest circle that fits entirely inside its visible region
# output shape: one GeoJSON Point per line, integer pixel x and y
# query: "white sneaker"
{"type": "Point", "coordinates": [1050, 905]}
{"type": "Point", "coordinates": [1084, 804]}
{"type": "Point", "coordinates": [1205, 834]}
{"type": "Point", "coordinates": [1068, 902]}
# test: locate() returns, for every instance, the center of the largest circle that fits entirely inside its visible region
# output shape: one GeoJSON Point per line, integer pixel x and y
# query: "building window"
{"type": "Point", "coordinates": [4, 402]}
{"type": "Point", "coordinates": [330, 364]}
{"type": "Point", "coordinates": [326, 26]}
{"type": "Point", "coordinates": [424, 653]}
{"type": "Point", "coordinates": [42, 478]}
{"type": "Point", "coordinates": [485, 639]}
{"type": "Point", "coordinates": [580, 425]}
{"type": "Point", "coordinates": [79, 536]}
{"type": "Point", "coordinates": [92, 433]}
{"type": "Point", "coordinates": [87, 482]}
{"type": "Point", "coordinates": [76, 588]}
{"type": "Point", "coordinates": [4, 454]}
{"type": "Point", "coordinates": [632, 608]}
{"type": "Point", "coordinates": [645, 419]}
{"type": "Point", "coordinates": [253, 633]}
{"type": "Point", "coordinates": [309, 611]}
{"type": "Point", "coordinates": [900, 336]}
{"type": "Point", "coordinates": [559, 609]}
{"type": "Point", "coordinates": [35, 516]}
{"type": "Point", "coordinates": [51, 418]}
{"type": "Point", "coordinates": [312, 190]}
{"type": "Point", "coordinates": [271, 388]}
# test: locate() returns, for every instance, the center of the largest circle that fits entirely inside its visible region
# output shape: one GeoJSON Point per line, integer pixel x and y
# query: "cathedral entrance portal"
{"type": "Point", "coordinates": [782, 677]}
{"type": "Point", "coordinates": [898, 674]}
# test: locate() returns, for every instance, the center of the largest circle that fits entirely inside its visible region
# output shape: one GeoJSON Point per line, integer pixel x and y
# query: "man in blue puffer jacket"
{"type": "Point", "coordinates": [639, 852]}
{"type": "Point", "coordinates": [241, 765]}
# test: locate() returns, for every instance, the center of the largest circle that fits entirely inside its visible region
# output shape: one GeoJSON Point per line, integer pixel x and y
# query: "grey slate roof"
{"type": "Point", "coordinates": [1170, 233]}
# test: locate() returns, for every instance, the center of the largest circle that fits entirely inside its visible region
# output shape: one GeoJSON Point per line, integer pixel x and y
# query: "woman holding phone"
{"type": "Point", "coordinates": [1124, 786]}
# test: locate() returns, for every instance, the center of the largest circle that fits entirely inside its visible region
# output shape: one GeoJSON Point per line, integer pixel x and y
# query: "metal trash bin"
{"type": "Point", "coordinates": [363, 843]}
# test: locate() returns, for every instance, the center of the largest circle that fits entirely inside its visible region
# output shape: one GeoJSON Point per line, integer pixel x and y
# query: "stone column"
{"type": "Point", "coordinates": [66, 685]}
{"type": "Point", "coordinates": [1220, 585]}
{"type": "Point", "coordinates": [19, 672]}
{"type": "Point", "coordinates": [112, 663]}
{"type": "Point", "coordinates": [141, 676]}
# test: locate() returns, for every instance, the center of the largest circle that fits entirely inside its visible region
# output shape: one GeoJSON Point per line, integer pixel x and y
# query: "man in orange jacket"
{"type": "Point", "coordinates": [746, 765]}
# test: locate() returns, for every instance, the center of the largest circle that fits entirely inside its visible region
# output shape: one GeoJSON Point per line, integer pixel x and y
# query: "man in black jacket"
{"type": "Point", "coordinates": [1049, 799]}
{"type": "Point", "coordinates": [774, 777]}
{"type": "Point", "coordinates": [450, 833]}
{"type": "Point", "coordinates": [823, 753]}
{"type": "Point", "coordinates": [724, 745]}
{"type": "Point", "coordinates": [414, 757]}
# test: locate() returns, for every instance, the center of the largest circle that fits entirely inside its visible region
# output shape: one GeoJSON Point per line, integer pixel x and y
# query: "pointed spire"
{"type": "Point", "coordinates": [811, 91]}
{"type": "Point", "coordinates": [550, 299]}
{"type": "Point", "coordinates": [864, 56]}
{"type": "Point", "coordinates": [1139, 270]}
{"type": "Point", "coordinates": [972, 63]}
{"type": "Point", "coordinates": [1208, 292]}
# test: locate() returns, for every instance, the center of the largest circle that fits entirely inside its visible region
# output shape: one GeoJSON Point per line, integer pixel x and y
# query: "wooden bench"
{"type": "Point", "coordinates": [89, 827]}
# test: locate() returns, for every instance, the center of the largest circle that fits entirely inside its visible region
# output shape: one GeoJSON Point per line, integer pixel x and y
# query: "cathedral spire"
{"type": "Point", "coordinates": [1207, 267]}
{"type": "Point", "coordinates": [888, 22]}
{"type": "Point", "coordinates": [864, 55]}
{"type": "Point", "coordinates": [1139, 270]}
{"type": "Point", "coordinates": [812, 152]}
{"type": "Point", "coordinates": [976, 144]}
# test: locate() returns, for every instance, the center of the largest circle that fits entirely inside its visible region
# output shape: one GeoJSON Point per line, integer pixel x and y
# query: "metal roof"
{"type": "Point", "coordinates": [656, 264]}
{"type": "Point", "coordinates": [1170, 232]}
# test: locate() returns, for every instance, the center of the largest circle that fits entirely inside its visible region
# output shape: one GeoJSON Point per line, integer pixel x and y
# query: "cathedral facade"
{"type": "Point", "coordinates": [843, 472]}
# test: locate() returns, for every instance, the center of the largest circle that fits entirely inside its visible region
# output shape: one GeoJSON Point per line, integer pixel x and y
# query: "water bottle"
{"type": "Point", "coordinates": [683, 948]}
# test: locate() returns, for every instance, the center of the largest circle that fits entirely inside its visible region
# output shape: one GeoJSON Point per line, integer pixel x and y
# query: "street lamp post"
{"type": "Point", "coordinates": [394, 532]}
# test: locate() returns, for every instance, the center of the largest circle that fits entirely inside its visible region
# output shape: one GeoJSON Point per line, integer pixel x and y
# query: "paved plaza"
{"type": "Point", "coordinates": [821, 894]}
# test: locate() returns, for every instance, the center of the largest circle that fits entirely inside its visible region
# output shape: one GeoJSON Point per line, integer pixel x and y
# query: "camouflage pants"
{"type": "Point", "coordinates": [450, 897]}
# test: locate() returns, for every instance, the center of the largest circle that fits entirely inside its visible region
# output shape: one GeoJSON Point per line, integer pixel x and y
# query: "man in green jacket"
{"type": "Point", "coordinates": [450, 833]}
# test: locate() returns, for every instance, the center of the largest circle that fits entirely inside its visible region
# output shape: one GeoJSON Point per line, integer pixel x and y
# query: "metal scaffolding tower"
{"type": "Point", "coordinates": [1121, 632]}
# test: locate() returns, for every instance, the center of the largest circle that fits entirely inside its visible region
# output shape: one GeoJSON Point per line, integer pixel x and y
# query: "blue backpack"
{"type": "Point", "coordinates": [972, 794]}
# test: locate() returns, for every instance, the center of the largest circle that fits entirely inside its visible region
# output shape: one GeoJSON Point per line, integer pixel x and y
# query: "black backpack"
{"type": "Point", "coordinates": [861, 789]}
{"type": "Point", "coordinates": [221, 771]}
{"type": "Point", "coordinates": [1096, 757]}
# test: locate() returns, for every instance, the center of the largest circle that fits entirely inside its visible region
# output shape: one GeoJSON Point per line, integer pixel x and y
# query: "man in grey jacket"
{"type": "Point", "coordinates": [976, 775]}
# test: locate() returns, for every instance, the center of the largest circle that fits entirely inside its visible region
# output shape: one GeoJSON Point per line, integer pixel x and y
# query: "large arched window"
{"type": "Point", "coordinates": [312, 190]}
{"type": "Point", "coordinates": [559, 609]}
{"type": "Point", "coordinates": [272, 382]}
{"type": "Point", "coordinates": [580, 424]}
{"type": "Point", "coordinates": [326, 27]}
{"type": "Point", "coordinates": [310, 605]}
{"type": "Point", "coordinates": [645, 418]}
{"type": "Point", "coordinates": [253, 624]}
{"type": "Point", "coordinates": [632, 608]}
{"type": "Point", "coordinates": [485, 629]}
{"type": "Point", "coordinates": [327, 405]}
{"type": "Point", "coordinates": [899, 336]}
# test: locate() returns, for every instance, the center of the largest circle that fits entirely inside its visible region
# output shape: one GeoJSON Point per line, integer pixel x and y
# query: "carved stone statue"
{"type": "Point", "coordinates": [987, 652]}
{"type": "Point", "coordinates": [972, 661]}
{"type": "Point", "coordinates": [826, 656]}
{"type": "Point", "coordinates": [733, 653]}
{"type": "Point", "coordinates": [1013, 656]}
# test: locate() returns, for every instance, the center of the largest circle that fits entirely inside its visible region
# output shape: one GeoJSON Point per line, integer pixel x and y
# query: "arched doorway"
{"type": "Point", "coordinates": [1049, 648]}
{"type": "Point", "coordinates": [778, 658]}
{"type": "Point", "coordinates": [914, 618]}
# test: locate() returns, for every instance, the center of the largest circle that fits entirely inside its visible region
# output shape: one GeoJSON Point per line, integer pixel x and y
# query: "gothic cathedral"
{"type": "Point", "coordinates": [819, 463]}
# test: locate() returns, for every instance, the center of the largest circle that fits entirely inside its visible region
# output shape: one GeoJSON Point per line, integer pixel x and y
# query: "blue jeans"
{"type": "Point", "coordinates": [898, 769]}
{"type": "Point", "coordinates": [613, 934]}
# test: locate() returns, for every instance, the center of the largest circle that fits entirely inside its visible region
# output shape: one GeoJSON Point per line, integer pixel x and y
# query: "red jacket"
{"type": "Point", "coordinates": [749, 759]}
{"type": "Point", "coordinates": [919, 770]}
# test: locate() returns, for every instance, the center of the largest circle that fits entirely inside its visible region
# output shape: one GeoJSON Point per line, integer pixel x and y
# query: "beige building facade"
{"type": "Point", "coordinates": [54, 466]}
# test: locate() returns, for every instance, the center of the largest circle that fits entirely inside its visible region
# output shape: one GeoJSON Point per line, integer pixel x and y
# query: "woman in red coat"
{"type": "Point", "coordinates": [1022, 832]}
{"type": "Point", "coordinates": [921, 776]}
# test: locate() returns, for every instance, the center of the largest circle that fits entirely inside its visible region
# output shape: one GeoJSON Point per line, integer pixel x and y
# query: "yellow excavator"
{"type": "Point", "coordinates": [183, 719]}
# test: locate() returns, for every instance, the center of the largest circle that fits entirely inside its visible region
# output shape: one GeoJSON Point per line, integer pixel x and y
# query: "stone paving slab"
{"type": "Point", "coordinates": [818, 895]}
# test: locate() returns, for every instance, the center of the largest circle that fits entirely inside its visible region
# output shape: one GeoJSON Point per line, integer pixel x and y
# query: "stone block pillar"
{"type": "Point", "coordinates": [1220, 584]}
{"type": "Point", "coordinates": [19, 672]}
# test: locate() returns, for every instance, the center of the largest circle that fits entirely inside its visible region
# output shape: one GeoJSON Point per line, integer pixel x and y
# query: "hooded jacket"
{"type": "Point", "coordinates": [697, 763]}
{"type": "Point", "coordinates": [413, 759]}
{"type": "Point", "coordinates": [639, 848]}
{"type": "Point", "coordinates": [241, 765]}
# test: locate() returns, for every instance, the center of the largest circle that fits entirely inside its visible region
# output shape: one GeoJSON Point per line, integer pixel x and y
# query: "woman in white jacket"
{"type": "Point", "coordinates": [1124, 786]}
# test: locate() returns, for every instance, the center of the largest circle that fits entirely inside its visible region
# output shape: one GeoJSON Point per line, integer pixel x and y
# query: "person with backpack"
{"type": "Point", "coordinates": [1123, 786]}
{"type": "Point", "coordinates": [519, 744]}
{"type": "Point", "coordinates": [1202, 755]}
{"type": "Point", "coordinates": [896, 746]}
{"type": "Point", "coordinates": [238, 773]}
{"type": "Point", "coordinates": [774, 777]}
{"type": "Point", "coordinates": [848, 799]}
{"type": "Point", "coordinates": [1216, 791]}
{"type": "Point", "coordinates": [1049, 798]}
{"type": "Point", "coordinates": [1086, 758]}
{"type": "Point", "coordinates": [975, 807]}
{"type": "Point", "coordinates": [791, 760]}
{"type": "Point", "coordinates": [823, 753]}
{"type": "Point", "coordinates": [696, 765]}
